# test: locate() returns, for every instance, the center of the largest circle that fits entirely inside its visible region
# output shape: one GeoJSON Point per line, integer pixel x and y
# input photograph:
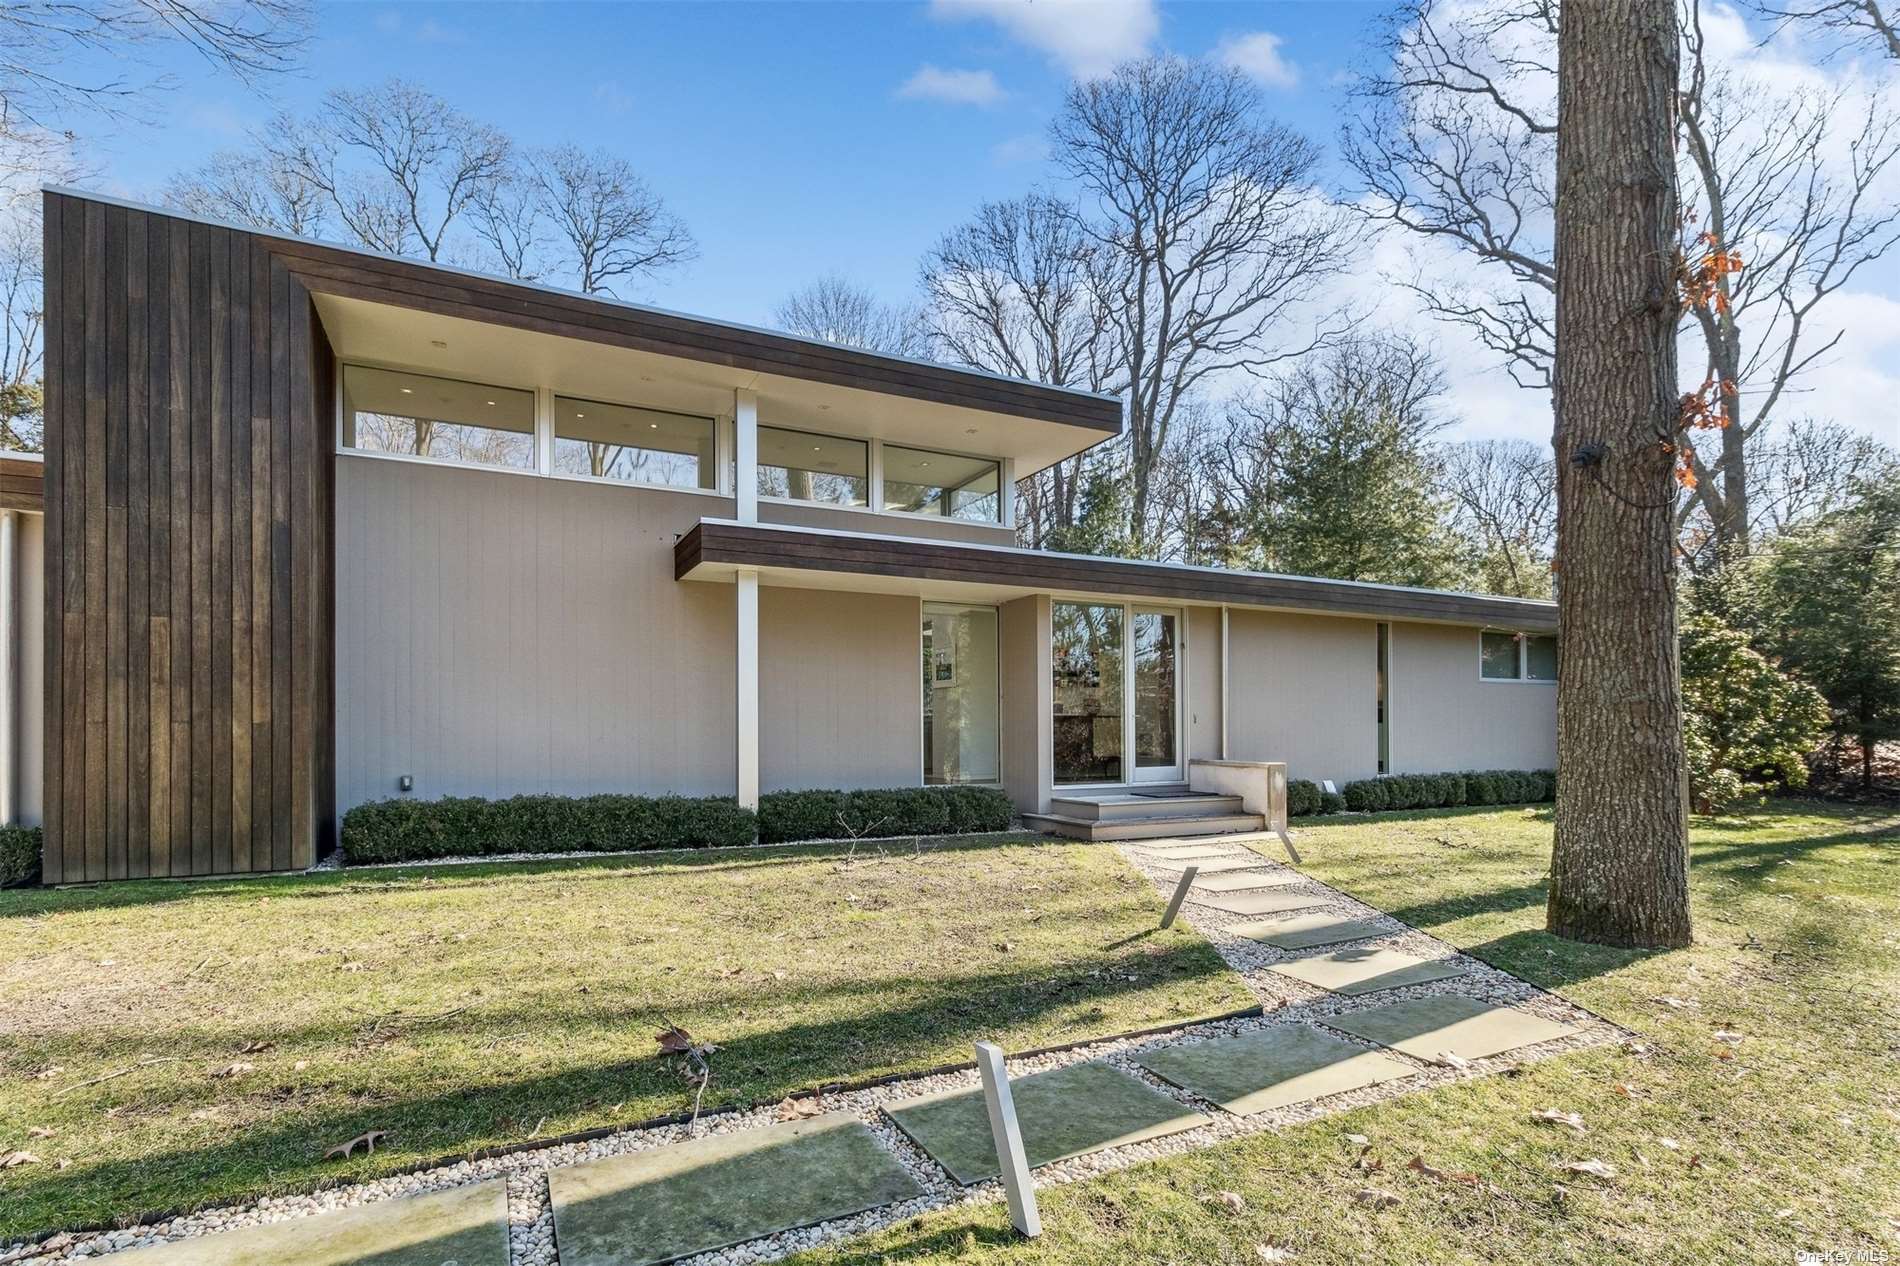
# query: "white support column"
{"type": "Point", "coordinates": [9, 667]}
{"type": "Point", "coordinates": [1007, 490]}
{"type": "Point", "coordinates": [544, 430]}
{"type": "Point", "coordinates": [1226, 691]}
{"type": "Point", "coordinates": [747, 727]}
{"type": "Point", "coordinates": [745, 439]}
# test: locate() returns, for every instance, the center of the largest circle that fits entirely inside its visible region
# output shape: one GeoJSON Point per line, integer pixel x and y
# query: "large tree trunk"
{"type": "Point", "coordinates": [1618, 871]}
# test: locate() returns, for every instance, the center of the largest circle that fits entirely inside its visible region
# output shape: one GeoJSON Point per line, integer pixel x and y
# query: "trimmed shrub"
{"type": "Point", "coordinates": [1440, 791]}
{"type": "Point", "coordinates": [469, 826]}
{"type": "Point", "coordinates": [1331, 802]}
{"type": "Point", "coordinates": [19, 855]}
{"type": "Point", "coordinates": [1303, 798]}
{"type": "Point", "coordinates": [785, 816]}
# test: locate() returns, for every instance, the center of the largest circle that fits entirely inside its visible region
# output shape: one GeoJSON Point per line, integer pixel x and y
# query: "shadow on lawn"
{"type": "Point", "coordinates": [936, 1025]}
{"type": "Point", "coordinates": [448, 873]}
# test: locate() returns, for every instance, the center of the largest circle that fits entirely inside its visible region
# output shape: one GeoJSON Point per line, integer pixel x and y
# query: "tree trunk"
{"type": "Point", "coordinates": [1619, 868]}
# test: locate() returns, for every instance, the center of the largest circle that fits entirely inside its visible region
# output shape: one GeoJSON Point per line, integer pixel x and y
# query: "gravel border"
{"type": "Point", "coordinates": [1284, 1001]}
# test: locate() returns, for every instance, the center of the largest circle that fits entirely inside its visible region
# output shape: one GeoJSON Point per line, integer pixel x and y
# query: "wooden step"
{"type": "Point", "coordinates": [1128, 807]}
{"type": "Point", "coordinates": [1155, 828]}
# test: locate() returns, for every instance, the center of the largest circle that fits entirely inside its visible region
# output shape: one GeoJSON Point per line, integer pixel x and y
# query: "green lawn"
{"type": "Point", "coordinates": [1792, 1143]}
{"type": "Point", "coordinates": [456, 1007]}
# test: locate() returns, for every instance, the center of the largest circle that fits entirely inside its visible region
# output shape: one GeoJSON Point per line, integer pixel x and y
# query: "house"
{"type": "Point", "coordinates": [325, 526]}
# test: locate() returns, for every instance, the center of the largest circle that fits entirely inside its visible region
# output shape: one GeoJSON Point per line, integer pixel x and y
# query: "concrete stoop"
{"type": "Point", "coordinates": [1165, 814]}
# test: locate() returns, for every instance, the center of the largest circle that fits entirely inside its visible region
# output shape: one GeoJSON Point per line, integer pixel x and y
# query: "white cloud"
{"type": "Point", "coordinates": [1257, 55]}
{"type": "Point", "coordinates": [1030, 147]}
{"type": "Point", "coordinates": [1087, 38]}
{"type": "Point", "coordinates": [958, 87]}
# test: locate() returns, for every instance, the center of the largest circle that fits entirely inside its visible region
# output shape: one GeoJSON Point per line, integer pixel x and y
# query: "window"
{"type": "Point", "coordinates": [1090, 691]}
{"type": "Point", "coordinates": [394, 411]}
{"type": "Point", "coordinates": [960, 698]}
{"type": "Point", "coordinates": [823, 468]}
{"type": "Point", "coordinates": [1516, 657]}
{"type": "Point", "coordinates": [920, 482]}
{"type": "Point", "coordinates": [642, 446]}
{"type": "Point", "coordinates": [1540, 659]}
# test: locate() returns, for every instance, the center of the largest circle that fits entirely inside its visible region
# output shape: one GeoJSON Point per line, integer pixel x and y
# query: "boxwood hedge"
{"type": "Point", "coordinates": [468, 826]}
{"type": "Point", "coordinates": [19, 855]}
{"type": "Point", "coordinates": [1440, 791]}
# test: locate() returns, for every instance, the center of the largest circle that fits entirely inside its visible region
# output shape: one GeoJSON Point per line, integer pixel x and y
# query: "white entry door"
{"type": "Point", "coordinates": [1154, 685]}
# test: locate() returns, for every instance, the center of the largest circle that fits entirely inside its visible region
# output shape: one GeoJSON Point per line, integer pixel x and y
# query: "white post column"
{"type": "Point", "coordinates": [1226, 690]}
{"type": "Point", "coordinates": [747, 728]}
{"type": "Point", "coordinates": [9, 667]}
{"type": "Point", "coordinates": [745, 437]}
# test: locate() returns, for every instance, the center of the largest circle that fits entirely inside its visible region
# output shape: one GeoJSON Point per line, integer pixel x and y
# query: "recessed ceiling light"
{"type": "Point", "coordinates": [491, 402]}
{"type": "Point", "coordinates": [815, 448]}
{"type": "Point", "coordinates": [407, 392]}
{"type": "Point", "coordinates": [923, 463]}
{"type": "Point", "coordinates": [653, 426]}
{"type": "Point", "coordinates": [580, 415]}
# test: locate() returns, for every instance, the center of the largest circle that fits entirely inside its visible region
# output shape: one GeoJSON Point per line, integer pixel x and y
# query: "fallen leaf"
{"type": "Point", "coordinates": [1782, 1215]}
{"type": "Point", "coordinates": [1376, 1198]}
{"type": "Point", "coordinates": [1367, 1162]}
{"type": "Point", "coordinates": [1593, 1167]}
{"type": "Point", "coordinates": [1273, 1253]}
{"type": "Point", "coordinates": [367, 1140]}
{"type": "Point", "coordinates": [1695, 1162]}
{"type": "Point", "coordinates": [1674, 1004]}
{"type": "Point", "coordinates": [1357, 1140]}
{"type": "Point", "coordinates": [1550, 1116]}
{"type": "Point", "coordinates": [1231, 1201]}
{"type": "Point", "coordinates": [300, 1065]}
{"type": "Point", "coordinates": [1733, 1039]}
{"type": "Point", "coordinates": [13, 1160]}
{"type": "Point", "coordinates": [1449, 1060]}
{"type": "Point", "coordinates": [1624, 1088]}
{"type": "Point", "coordinates": [234, 1070]}
{"type": "Point", "coordinates": [677, 1041]}
{"type": "Point", "coordinates": [255, 1048]}
{"type": "Point", "coordinates": [47, 1074]}
{"type": "Point", "coordinates": [39, 1131]}
{"type": "Point", "coordinates": [1671, 1144]}
{"type": "Point", "coordinates": [800, 1109]}
{"type": "Point", "coordinates": [1418, 1166]}
{"type": "Point", "coordinates": [1724, 1053]}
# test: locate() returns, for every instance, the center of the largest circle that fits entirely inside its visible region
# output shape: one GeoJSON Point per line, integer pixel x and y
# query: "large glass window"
{"type": "Point", "coordinates": [920, 482]}
{"type": "Point", "coordinates": [1497, 656]}
{"type": "Point", "coordinates": [960, 699]}
{"type": "Point", "coordinates": [1090, 691]}
{"type": "Point", "coordinates": [1540, 658]}
{"type": "Point", "coordinates": [642, 446]}
{"type": "Point", "coordinates": [394, 411]}
{"type": "Point", "coordinates": [806, 467]}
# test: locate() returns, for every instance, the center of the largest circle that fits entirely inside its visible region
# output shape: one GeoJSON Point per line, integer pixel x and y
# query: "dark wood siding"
{"type": "Point", "coordinates": [765, 545]}
{"type": "Point", "coordinates": [189, 692]}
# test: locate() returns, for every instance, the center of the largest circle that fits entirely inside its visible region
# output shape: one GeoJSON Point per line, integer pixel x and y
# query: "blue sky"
{"type": "Point", "coordinates": [801, 138]}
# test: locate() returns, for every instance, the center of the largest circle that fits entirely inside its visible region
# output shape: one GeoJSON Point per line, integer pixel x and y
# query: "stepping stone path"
{"type": "Point", "coordinates": [1264, 901]}
{"type": "Point", "coordinates": [1213, 866]}
{"type": "Point", "coordinates": [1366, 970]}
{"type": "Point", "coordinates": [464, 1225]}
{"type": "Point", "coordinates": [1192, 854]}
{"type": "Point", "coordinates": [670, 1202]}
{"type": "Point", "coordinates": [1244, 881]}
{"type": "Point", "coordinates": [1063, 1113]}
{"type": "Point", "coordinates": [1448, 1024]}
{"type": "Point", "coordinates": [1308, 930]}
{"type": "Point", "coordinates": [1271, 1068]}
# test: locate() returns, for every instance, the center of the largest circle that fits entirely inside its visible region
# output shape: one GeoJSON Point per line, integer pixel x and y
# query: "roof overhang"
{"type": "Point", "coordinates": [818, 558]}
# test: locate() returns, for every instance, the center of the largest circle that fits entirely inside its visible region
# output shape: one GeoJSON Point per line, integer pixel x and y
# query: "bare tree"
{"type": "Point", "coordinates": [399, 166]}
{"type": "Point", "coordinates": [1012, 291]}
{"type": "Point", "coordinates": [255, 187]}
{"type": "Point", "coordinates": [22, 322]}
{"type": "Point", "coordinates": [1871, 24]}
{"type": "Point", "coordinates": [508, 219]}
{"type": "Point", "coordinates": [609, 224]}
{"type": "Point", "coordinates": [1456, 143]}
{"type": "Point", "coordinates": [1812, 468]}
{"type": "Point", "coordinates": [249, 39]}
{"type": "Point", "coordinates": [1209, 236]}
{"type": "Point", "coordinates": [837, 310]}
{"type": "Point", "coordinates": [1504, 499]}
{"type": "Point", "coordinates": [1619, 864]}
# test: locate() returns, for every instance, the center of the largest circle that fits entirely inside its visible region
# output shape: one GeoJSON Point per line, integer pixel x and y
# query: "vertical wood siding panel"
{"type": "Point", "coordinates": [112, 616]}
{"type": "Point", "coordinates": [281, 613]}
{"type": "Point", "coordinates": [184, 460]}
{"type": "Point", "coordinates": [72, 615]}
{"type": "Point", "coordinates": [206, 361]}
{"type": "Point", "coordinates": [238, 722]}
{"type": "Point", "coordinates": [158, 447]}
{"type": "Point", "coordinates": [222, 366]}
{"type": "Point", "coordinates": [323, 462]}
{"type": "Point", "coordinates": [261, 849]}
{"type": "Point", "coordinates": [54, 370]}
{"type": "Point", "coordinates": [93, 621]}
{"type": "Point", "coordinates": [302, 578]}
{"type": "Point", "coordinates": [135, 553]}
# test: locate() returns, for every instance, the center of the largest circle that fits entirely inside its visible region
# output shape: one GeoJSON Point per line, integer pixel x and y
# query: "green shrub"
{"type": "Point", "coordinates": [1439, 791]}
{"type": "Point", "coordinates": [19, 855]}
{"type": "Point", "coordinates": [785, 816]}
{"type": "Point", "coordinates": [1331, 802]}
{"type": "Point", "coordinates": [1302, 797]}
{"type": "Point", "coordinates": [469, 826]}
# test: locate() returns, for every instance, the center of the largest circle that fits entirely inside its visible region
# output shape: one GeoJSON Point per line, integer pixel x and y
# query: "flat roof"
{"type": "Point", "coordinates": [714, 548]}
{"type": "Point", "coordinates": [358, 271]}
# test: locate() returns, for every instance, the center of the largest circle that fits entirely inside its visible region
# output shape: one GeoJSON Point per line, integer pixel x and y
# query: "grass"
{"type": "Point", "coordinates": [1791, 1144]}
{"type": "Point", "coordinates": [465, 1006]}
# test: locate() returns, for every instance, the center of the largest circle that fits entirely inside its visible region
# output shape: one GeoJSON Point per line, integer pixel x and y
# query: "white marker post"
{"type": "Point", "coordinates": [1180, 895]}
{"type": "Point", "coordinates": [1008, 1137]}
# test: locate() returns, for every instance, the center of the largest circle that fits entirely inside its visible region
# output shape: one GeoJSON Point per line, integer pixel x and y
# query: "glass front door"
{"type": "Point", "coordinates": [1156, 661]}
